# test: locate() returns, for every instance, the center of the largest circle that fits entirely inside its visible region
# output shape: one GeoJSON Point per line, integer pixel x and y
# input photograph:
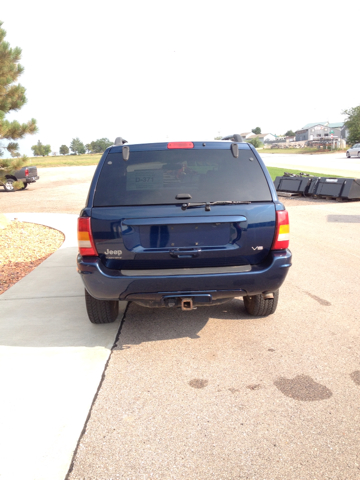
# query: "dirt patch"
{"type": "Point", "coordinates": [23, 247]}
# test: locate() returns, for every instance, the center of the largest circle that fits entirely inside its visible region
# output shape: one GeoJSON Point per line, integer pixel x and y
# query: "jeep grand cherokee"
{"type": "Point", "coordinates": [182, 224]}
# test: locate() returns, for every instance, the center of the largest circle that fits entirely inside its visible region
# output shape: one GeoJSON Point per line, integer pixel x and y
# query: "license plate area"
{"type": "Point", "coordinates": [186, 235]}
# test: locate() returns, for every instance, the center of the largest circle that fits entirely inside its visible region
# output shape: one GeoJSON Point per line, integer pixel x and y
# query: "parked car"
{"type": "Point", "coordinates": [354, 151]}
{"type": "Point", "coordinates": [26, 175]}
{"type": "Point", "coordinates": [182, 224]}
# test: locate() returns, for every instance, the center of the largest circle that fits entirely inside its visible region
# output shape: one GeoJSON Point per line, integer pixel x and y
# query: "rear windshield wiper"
{"type": "Point", "coordinates": [207, 205]}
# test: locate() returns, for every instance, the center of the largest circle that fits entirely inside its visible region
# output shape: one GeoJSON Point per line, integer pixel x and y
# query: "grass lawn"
{"type": "Point", "coordinates": [65, 160]}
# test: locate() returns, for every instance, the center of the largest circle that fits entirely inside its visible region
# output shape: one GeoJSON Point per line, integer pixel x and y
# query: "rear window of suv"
{"type": "Point", "coordinates": [156, 177]}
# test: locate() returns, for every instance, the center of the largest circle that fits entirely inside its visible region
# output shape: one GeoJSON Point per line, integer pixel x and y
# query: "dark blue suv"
{"type": "Point", "coordinates": [182, 224]}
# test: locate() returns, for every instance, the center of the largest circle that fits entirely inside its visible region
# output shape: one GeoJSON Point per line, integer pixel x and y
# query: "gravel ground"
{"type": "Point", "coordinates": [23, 247]}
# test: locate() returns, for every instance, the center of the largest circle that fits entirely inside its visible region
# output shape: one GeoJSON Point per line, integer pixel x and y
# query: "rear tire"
{"type": "Point", "coordinates": [25, 185]}
{"type": "Point", "coordinates": [348, 155]}
{"type": "Point", "coordinates": [9, 185]}
{"type": "Point", "coordinates": [259, 306]}
{"type": "Point", "coordinates": [101, 311]}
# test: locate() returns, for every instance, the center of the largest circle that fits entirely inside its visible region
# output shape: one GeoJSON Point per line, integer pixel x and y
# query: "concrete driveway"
{"type": "Point", "coordinates": [216, 394]}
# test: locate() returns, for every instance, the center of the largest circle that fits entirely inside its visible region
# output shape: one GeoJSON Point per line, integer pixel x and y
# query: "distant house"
{"type": "Point", "coordinates": [321, 130]}
{"type": "Point", "coordinates": [263, 137]}
{"type": "Point", "coordinates": [246, 134]}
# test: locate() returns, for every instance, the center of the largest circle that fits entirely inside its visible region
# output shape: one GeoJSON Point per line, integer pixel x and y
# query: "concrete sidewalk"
{"type": "Point", "coordinates": [51, 362]}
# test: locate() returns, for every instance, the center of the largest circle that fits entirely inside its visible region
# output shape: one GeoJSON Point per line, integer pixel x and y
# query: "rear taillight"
{"type": "Point", "coordinates": [85, 238]}
{"type": "Point", "coordinates": [282, 234]}
{"type": "Point", "coordinates": [26, 172]}
{"type": "Point", "coordinates": [180, 145]}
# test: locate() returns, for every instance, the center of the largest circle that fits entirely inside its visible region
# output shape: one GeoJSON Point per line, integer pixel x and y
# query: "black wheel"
{"type": "Point", "coordinates": [358, 154]}
{"type": "Point", "coordinates": [259, 306]}
{"type": "Point", "coordinates": [25, 186]}
{"type": "Point", "coordinates": [9, 185]}
{"type": "Point", "coordinates": [348, 155]}
{"type": "Point", "coordinates": [101, 311]}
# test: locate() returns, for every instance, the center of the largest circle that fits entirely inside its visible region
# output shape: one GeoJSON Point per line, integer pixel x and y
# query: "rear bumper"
{"type": "Point", "coordinates": [105, 284]}
{"type": "Point", "coordinates": [29, 179]}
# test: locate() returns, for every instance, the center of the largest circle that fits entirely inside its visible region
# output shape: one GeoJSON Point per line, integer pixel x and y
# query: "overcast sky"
{"type": "Point", "coordinates": [185, 70]}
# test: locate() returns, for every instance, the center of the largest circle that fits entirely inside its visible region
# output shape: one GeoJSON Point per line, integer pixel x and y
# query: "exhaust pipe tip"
{"type": "Point", "coordinates": [187, 304]}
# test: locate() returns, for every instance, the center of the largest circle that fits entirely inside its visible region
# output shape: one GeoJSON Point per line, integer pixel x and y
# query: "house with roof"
{"type": "Point", "coordinates": [321, 130]}
{"type": "Point", "coordinates": [263, 137]}
{"type": "Point", "coordinates": [246, 134]}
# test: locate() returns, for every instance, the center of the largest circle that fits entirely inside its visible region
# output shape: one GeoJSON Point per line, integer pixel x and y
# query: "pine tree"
{"type": "Point", "coordinates": [12, 98]}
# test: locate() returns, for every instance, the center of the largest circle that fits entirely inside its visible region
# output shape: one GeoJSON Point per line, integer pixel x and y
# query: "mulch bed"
{"type": "Point", "coordinates": [23, 246]}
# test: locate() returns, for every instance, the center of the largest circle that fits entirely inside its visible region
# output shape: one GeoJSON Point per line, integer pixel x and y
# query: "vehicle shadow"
{"type": "Point", "coordinates": [143, 324]}
{"type": "Point", "coordinates": [22, 190]}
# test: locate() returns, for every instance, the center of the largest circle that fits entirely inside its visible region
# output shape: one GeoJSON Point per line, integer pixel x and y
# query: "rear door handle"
{"type": "Point", "coordinates": [185, 253]}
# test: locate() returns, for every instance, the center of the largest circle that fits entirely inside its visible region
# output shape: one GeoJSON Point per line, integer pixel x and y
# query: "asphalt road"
{"type": "Point", "coordinates": [216, 394]}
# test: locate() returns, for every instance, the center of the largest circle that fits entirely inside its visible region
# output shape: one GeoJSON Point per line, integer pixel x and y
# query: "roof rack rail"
{"type": "Point", "coordinates": [120, 141]}
{"type": "Point", "coordinates": [235, 138]}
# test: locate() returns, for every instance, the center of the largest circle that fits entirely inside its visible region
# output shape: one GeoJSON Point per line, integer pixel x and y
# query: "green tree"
{"type": "Point", "coordinates": [64, 150]}
{"type": "Point", "coordinates": [256, 130]}
{"type": "Point", "coordinates": [37, 149]}
{"type": "Point", "coordinates": [41, 150]}
{"type": "Point", "coordinates": [254, 141]}
{"type": "Point", "coordinates": [77, 146]}
{"type": "Point", "coordinates": [290, 133]}
{"type": "Point", "coordinates": [47, 150]}
{"type": "Point", "coordinates": [99, 146]}
{"type": "Point", "coordinates": [353, 124]}
{"type": "Point", "coordinates": [12, 98]}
